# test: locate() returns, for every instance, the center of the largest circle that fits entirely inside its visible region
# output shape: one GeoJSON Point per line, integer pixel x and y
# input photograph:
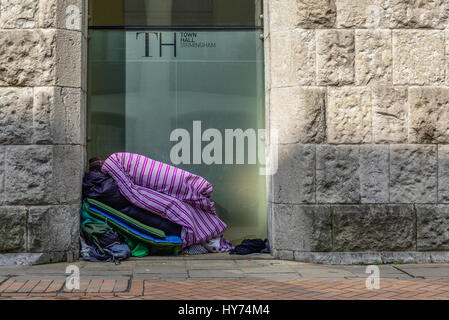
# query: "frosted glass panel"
{"type": "Point", "coordinates": [178, 80]}
{"type": "Point", "coordinates": [175, 13]}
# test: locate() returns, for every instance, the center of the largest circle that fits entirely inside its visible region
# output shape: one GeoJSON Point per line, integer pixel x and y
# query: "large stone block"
{"type": "Point", "coordinates": [294, 181]}
{"type": "Point", "coordinates": [298, 114]}
{"type": "Point", "coordinates": [62, 14]}
{"type": "Point", "coordinates": [48, 117]}
{"type": "Point", "coordinates": [40, 58]}
{"type": "Point", "coordinates": [84, 62]}
{"type": "Point", "coordinates": [390, 114]}
{"type": "Point", "coordinates": [16, 117]}
{"type": "Point", "coordinates": [335, 57]}
{"type": "Point", "coordinates": [433, 227]}
{"type": "Point", "coordinates": [27, 259]}
{"type": "Point", "coordinates": [443, 173]}
{"type": "Point", "coordinates": [413, 174]}
{"type": "Point", "coordinates": [363, 14]}
{"type": "Point", "coordinates": [12, 229]}
{"type": "Point", "coordinates": [392, 14]}
{"type": "Point", "coordinates": [429, 115]}
{"type": "Point", "coordinates": [316, 13]}
{"type": "Point", "coordinates": [283, 15]}
{"type": "Point", "coordinates": [18, 14]}
{"type": "Point", "coordinates": [373, 228]}
{"type": "Point", "coordinates": [55, 171]}
{"type": "Point", "coordinates": [418, 57]}
{"type": "Point", "coordinates": [2, 174]}
{"type": "Point", "coordinates": [267, 67]}
{"type": "Point", "coordinates": [292, 56]}
{"type": "Point", "coordinates": [28, 174]}
{"type": "Point", "coordinates": [349, 115]}
{"type": "Point", "coordinates": [419, 14]}
{"type": "Point", "coordinates": [68, 170]}
{"type": "Point", "coordinates": [27, 57]}
{"type": "Point", "coordinates": [57, 115]}
{"type": "Point", "coordinates": [337, 174]}
{"type": "Point", "coordinates": [374, 173]}
{"type": "Point", "coordinates": [69, 58]}
{"type": "Point", "coordinates": [270, 220]}
{"type": "Point", "coordinates": [447, 56]}
{"type": "Point", "coordinates": [373, 58]}
{"type": "Point", "coordinates": [302, 228]}
{"type": "Point", "coordinates": [53, 228]}
{"type": "Point", "coordinates": [74, 101]}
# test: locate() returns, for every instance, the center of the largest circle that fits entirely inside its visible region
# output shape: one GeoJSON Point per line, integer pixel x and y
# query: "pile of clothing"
{"type": "Point", "coordinates": [149, 207]}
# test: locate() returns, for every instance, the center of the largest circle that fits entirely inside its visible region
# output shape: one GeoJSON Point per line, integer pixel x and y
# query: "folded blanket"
{"type": "Point", "coordinates": [130, 222]}
{"type": "Point", "coordinates": [168, 244]}
{"type": "Point", "coordinates": [175, 194]}
{"type": "Point", "coordinates": [102, 187]}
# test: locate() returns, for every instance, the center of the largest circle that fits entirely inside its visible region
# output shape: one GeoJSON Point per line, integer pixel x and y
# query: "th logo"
{"type": "Point", "coordinates": [160, 41]}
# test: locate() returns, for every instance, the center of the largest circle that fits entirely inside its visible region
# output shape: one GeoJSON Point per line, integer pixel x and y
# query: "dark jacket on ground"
{"type": "Point", "coordinates": [102, 187]}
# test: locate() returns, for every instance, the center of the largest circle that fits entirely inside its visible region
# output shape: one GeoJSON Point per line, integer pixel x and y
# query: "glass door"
{"type": "Point", "coordinates": [182, 82]}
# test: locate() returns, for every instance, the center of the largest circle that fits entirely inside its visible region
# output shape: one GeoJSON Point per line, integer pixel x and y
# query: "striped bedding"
{"type": "Point", "coordinates": [175, 194]}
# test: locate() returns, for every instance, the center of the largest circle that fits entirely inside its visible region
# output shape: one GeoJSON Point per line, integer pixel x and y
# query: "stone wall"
{"type": "Point", "coordinates": [358, 91]}
{"type": "Point", "coordinates": [42, 133]}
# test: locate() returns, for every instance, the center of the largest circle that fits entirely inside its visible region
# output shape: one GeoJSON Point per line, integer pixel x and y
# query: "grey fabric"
{"type": "Point", "coordinates": [195, 249]}
{"type": "Point", "coordinates": [113, 253]}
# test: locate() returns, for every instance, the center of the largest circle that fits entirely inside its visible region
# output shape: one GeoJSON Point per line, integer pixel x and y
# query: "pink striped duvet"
{"type": "Point", "coordinates": [175, 194]}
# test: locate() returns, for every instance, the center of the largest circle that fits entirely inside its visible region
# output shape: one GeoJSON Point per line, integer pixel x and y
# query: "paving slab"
{"type": "Point", "coordinates": [161, 263]}
{"type": "Point", "coordinates": [159, 270]}
{"type": "Point", "coordinates": [158, 276]}
{"type": "Point", "coordinates": [320, 272]}
{"type": "Point", "coordinates": [214, 264]}
{"type": "Point", "coordinates": [7, 271]}
{"type": "Point", "coordinates": [209, 256]}
{"type": "Point", "coordinates": [124, 265]}
{"type": "Point", "coordinates": [426, 271]}
{"type": "Point", "coordinates": [273, 276]}
{"type": "Point", "coordinates": [124, 273]}
{"type": "Point", "coordinates": [385, 271]}
{"type": "Point", "coordinates": [40, 277]}
{"type": "Point", "coordinates": [215, 274]}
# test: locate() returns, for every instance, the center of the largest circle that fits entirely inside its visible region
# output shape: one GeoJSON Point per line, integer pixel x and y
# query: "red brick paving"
{"type": "Point", "coordinates": [28, 286]}
{"type": "Point", "coordinates": [107, 286]}
{"type": "Point", "coordinates": [94, 286]}
{"type": "Point", "coordinates": [15, 287]}
{"type": "Point", "coordinates": [41, 286]}
{"type": "Point", "coordinates": [6, 284]}
{"type": "Point", "coordinates": [55, 286]}
{"type": "Point", "coordinates": [348, 289]}
{"type": "Point", "coordinates": [120, 285]}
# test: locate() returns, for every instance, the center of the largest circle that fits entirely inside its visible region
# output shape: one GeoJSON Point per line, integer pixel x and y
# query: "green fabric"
{"type": "Point", "coordinates": [93, 230]}
{"type": "Point", "coordinates": [138, 249]}
{"type": "Point", "coordinates": [130, 220]}
{"type": "Point", "coordinates": [153, 246]}
{"type": "Point", "coordinates": [87, 218]}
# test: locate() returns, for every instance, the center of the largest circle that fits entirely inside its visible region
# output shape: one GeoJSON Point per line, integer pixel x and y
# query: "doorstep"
{"type": "Point", "coordinates": [208, 256]}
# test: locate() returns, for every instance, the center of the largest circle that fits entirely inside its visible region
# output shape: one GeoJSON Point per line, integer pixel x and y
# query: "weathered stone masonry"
{"type": "Point", "coordinates": [357, 89]}
{"type": "Point", "coordinates": [42, 103]}
{"type": "Point", "coordinates": [359, 93]}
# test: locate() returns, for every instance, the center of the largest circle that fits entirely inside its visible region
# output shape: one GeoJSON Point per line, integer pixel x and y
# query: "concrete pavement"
{"type": "Point", "coordinates": [222, 276]}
